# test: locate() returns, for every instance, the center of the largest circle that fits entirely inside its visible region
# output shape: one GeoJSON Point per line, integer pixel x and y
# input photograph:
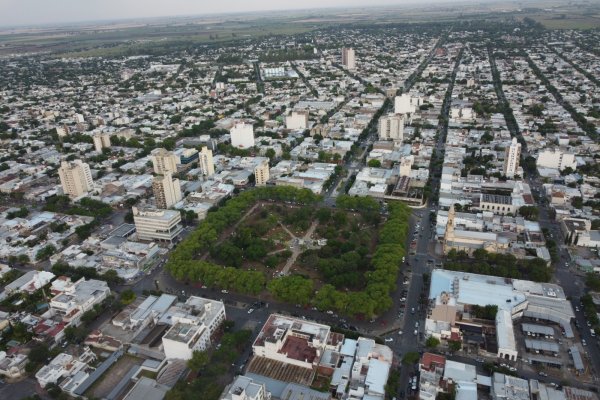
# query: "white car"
{"type": "Point", "coordinates": [389, 340]}
{"type": "Point", "coordinates": [250, 311]}
{"type": "Point", "coordinates": [399, 332]}
{"type": "Point", "coordinates": [583, 342]}
{"type": "Point", "coordinates": [224, 291]}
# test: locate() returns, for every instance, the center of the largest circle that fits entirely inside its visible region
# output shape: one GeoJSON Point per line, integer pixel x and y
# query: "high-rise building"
{"type": "Point", "coordinates": [167, 190]}
{"type": "Point", "coordinates": [153, 224]}
{"type": "Point", "coordinates": [297, 120]}
{"type": "Point", "coordinates": [75, 178]}
{"type": "Point", "coordinates": [391, 127]}
{"type": "Point", "coordinates": [206, 163]}
{"type": "Point", "coordinates": [261, 173]}
{"type": "Point", "coordinates": [556, 159]}
{"type": "Point", "coordinates": [101, 141]}
{"type": "Point", "coordinates": [511, 158]}
{"type": "Point", "coordinates": [242, 135]}
{"type": "Point", "coordinates": [348, 58]}
{"type": "Point", "coordinates": [403, 104]}
{"type": "Point", "coordinates": [164, 161]}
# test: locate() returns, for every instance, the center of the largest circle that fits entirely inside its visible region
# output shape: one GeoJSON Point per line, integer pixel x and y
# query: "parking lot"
{"type": "Point", "coordinates": [546, 351]}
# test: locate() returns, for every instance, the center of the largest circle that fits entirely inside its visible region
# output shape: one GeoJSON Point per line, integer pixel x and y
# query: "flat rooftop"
{"type": "Point", "coordinates": [298, 348]}
{"type": "Point", "coordinates": [184, 333]}
{"type": "Point", "coordinates": [276, 326]}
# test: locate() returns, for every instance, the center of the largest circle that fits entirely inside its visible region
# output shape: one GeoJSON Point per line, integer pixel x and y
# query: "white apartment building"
{"type": "Point", "coordinates": [297, 120]}
{"type": "Point", "coordinates": [556, 158]}
{"type": "Point", "coordinates": [512, 158]}
{"type": "Point", "coordinates": [206, 163]}
{"type": "Point", "coordinates": [193, 325]}
{"type": "Point", "coordinates": [243, 388]}
{"type": "Point", "coordinates": [101, 141]}
{"type": "Point", "coordinates": [242, 135]}
{"type": "Point", "coordinates": [75, 178]}
{"type": "Point", "coordinates": [261, 173]}
{"type": "Point", "coordinates": [72, 299]}
{"type": "Point", "coordinates": [153, 224]}
{"type": "Point", "coordinates": [403, 104]}
{"type": "Point", "coordinates": [167, 191]}
{"type": "Point", "coordinates": [348, 58]}
{"type": "Point", "coordinates": [63, 365]}
{"type": "Point", "coordinates": [164, 161]}
{"type": "Point", "coordinates": [391, 127]}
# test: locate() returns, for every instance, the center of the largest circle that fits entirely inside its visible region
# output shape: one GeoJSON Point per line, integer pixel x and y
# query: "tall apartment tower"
{"type": "Point", "coordinates": [404, 104]}
{"type": "Point", "coordinates": [164, 161]}
{"type": "Point", "coordinates": [297, 120]}
{"type": "Point", "coordinates": [391, 127]}
{"type": "Point", "coordinates": [348, 58]}
{"type": "Point", "coordinates": [206, 163]}
{"type": "Point", "coordinates": [261, 173]}
{"type": "Point", "coordinates": [101, 141]}
{"type": "Point", "coordinates": [242, 135]}
{"type": "Point", "coordinates": [167, 191]}
{"type": "Point", "coordinates": [511, 158]}
{"type": "Point", "coordinates": [75, 178]}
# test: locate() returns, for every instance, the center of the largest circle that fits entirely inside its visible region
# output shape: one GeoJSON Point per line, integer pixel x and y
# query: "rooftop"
{"type": "Point", "coordinates": [182, 332]}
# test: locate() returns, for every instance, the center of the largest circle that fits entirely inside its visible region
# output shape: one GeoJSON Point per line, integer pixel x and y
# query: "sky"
{"type": "Point", "coordinates": [35, 12]}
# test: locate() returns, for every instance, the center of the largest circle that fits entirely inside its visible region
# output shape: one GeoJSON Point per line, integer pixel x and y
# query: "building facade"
{"type": "Point", "coordinates": [164, 161]}
{"type": "Point", "coordinates": [75, 178]}
{"type": "Point", "coordinates": [557, 159]}
{"type": "Point", "coordinates": [403, 104]}
{"type": "Point", "coordinates": [261, 173]}
{"type": "Point", "coordinates": [512, 158]}
{"type": "Point", "coordinates": [101, 141]}
{"type": "Point", "coordinates": [193, 325]}
{"type": "Point", "coordinates": [297, 120]}
{"type": "Point", "coordinates": [167, 191]}
{"type": "Point", "coordinates": [160, 225]}
{"type": "Point", "coordinates": [391, 127]}
{"type": "Point", "coordinates": [242, 135]}
{"type": "Point", "coordinates": [206, 163]}
{"type": "Point", "coordinates": [348, 58]}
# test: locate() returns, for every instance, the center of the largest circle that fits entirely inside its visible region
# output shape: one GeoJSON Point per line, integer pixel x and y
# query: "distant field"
{"type": "Point", "coordinates": [173, 40]}
{"type": "Point", "coordinates": [160, 36]}
{"type": "Point", "coordinates": [91, 42]}
{"type": "Point", "coordinates": [569, 22]}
